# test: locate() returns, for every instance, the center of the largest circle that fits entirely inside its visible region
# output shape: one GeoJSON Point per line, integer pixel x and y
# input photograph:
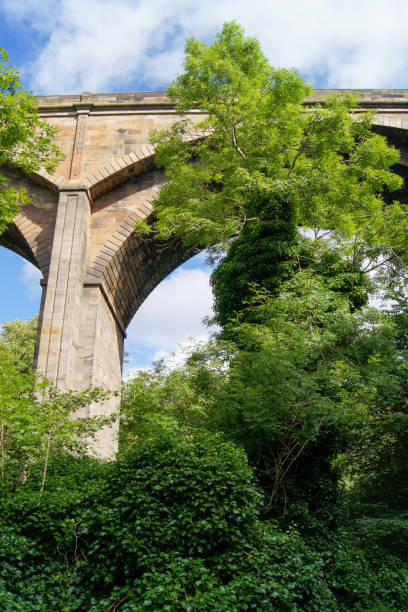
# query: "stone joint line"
{"type": "Point", "coordinates": [79, 146]}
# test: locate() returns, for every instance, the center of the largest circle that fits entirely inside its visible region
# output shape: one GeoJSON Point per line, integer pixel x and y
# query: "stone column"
{"type": "Point", "coordinates": [79, 342]}
{"type": "Point", "coordinates": [60, 317]}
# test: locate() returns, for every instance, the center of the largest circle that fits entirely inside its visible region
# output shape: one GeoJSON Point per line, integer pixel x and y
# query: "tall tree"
{"type": "Point", "coordinates": [262, 165]}
{"type": "Point", "coordinates": [318, 167]}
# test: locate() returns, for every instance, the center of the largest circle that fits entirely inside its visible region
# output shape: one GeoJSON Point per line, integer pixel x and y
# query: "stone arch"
{"type": "Point", "coordinates": [140, 160]}
{"type": "Point", "coordinates": [31, 233]}
{"type": "Point", "coordinates": [40, 245]}
{"type": "Point", "coordinates": [122, 192]}
{"type": "Point", "coordinates": [126, 265]}
{"type": "Point", "coordinates": [137, 267]}
{"type": "Point", "coordinates": [115, 213]}
{"type": "Point", "coordinates": [14, 240]}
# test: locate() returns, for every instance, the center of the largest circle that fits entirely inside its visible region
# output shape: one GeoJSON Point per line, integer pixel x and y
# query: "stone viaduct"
{"type": "Point", "coordinates": [79, 228]}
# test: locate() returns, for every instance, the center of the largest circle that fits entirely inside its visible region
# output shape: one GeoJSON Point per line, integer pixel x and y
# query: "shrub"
{"type": "Point", "coordinates": [193, 496]}
{"type": "Point", "coordinates": [173, 525]}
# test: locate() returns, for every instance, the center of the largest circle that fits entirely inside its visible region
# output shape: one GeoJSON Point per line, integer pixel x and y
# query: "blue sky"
{"type": "Point", "coordinates": [69, 46]}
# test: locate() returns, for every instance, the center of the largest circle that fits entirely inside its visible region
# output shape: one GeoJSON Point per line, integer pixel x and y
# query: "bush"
{"type": "Point", "coordinates": [364, 578]}
{"type": "Point", "coordinates": [107, 525]}
{"type": "Point", "coordinates": [173, 525]}
{"type": "Point", "coordinates": [275, 572]}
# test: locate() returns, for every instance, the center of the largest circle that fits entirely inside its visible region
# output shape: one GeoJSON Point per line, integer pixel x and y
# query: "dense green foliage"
{"type": "Point", "coordinates": [324, 167]}
{"type": "Point", "coordinates": [18, 339]}
{"type": "Point", "coordinates": [316, 395]}
{"type": "Point", "coordinates": [260, 258]}
{"type": "Point", "coordinates": [311, 379]}
{"type": "Point", "coordinates": [173, 525]}
{"type": "Point", "coordinates": [185, 505]}
{"type": "Point", "coordinates": [36, 419]}
{"type": "Point", "coordinates": [262, 254]}
{"type": "Point", "coordinates": [25, 140]}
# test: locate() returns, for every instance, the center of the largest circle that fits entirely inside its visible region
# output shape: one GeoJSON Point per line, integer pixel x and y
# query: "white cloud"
{"type": "Point", "coordinates": [128, 44]}
{"type": "Point", "coordinates": [172, 359]}
{"type": "Point", "coordinates": [30, 277]}
{"type": "Point", "coordinates": [173, 312]}
{"type": "Point", "coordinates": [33, 12]}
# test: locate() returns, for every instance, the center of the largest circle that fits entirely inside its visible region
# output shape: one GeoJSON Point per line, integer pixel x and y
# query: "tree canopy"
{"type": "Point", "coordinates": [25, 140]}
{"type": "Point", "coordinates": [317, 166]}
{"type": "Point", "coordinates": [18, 339]}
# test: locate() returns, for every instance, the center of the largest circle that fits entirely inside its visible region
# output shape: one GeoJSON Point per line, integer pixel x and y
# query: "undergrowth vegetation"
{"type": "Point", "coordinates": [175, 524]}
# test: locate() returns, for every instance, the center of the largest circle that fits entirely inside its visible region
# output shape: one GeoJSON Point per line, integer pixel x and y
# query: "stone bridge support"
{"type": "Point", "coordinates": [79, 228]}
{"type": "Point", "coordinates": [80, 342]}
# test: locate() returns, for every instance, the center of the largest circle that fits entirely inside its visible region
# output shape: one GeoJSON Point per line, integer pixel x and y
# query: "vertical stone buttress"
{"type": "Point", "coordinates": [80, 343]}
{"type": "Point", "coordinates": [61, 314]}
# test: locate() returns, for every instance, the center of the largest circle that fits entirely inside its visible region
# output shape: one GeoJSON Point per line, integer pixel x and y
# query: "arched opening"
{"type": "Point", "coordinates": [20, 283]}
{"type": "Point", "coordinates": [171, 314]}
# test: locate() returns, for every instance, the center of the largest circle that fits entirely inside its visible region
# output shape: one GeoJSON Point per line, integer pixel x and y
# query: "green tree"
{"type": "Point", "coordinates": [37, 421]}
{"type": "Point", "coordinates": [265, 164]}
{"type": "Point", "coordinates": [25, 140]}
{"type": "Point", "coordinates": [161, 400]}
{"type": "Point", "coordinates": [263, 156]}
{"type": "Point", "coordinates": [19, 337]}
{"type": "Point", "coordinates": [376, 463]}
